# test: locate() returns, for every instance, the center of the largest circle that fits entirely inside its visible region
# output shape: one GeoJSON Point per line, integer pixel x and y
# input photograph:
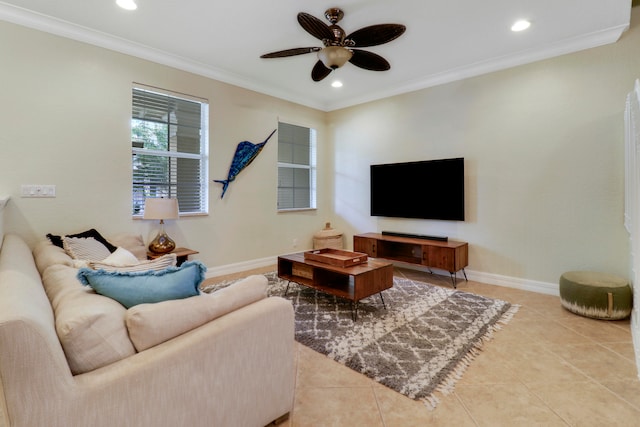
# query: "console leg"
{"type": "Point", "coordinates": [453, 280]}
{"type": "Point", "coordinates": [465, 275]}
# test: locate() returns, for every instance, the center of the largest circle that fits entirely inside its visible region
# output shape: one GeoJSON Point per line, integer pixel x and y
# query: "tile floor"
{"type": "Point", "coordinates": [546, 367]}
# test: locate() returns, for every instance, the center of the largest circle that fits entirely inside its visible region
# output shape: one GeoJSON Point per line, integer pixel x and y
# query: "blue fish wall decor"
{"type": "Point", "coordinates": [245, 153]}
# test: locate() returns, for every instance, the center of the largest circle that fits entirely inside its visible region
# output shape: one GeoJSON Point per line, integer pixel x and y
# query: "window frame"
{"type": "Point", "coordinates": [202, 193]}
{"type": "Point", "coordinates": [312, 167]}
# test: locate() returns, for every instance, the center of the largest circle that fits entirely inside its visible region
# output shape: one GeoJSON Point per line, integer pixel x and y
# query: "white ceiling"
{"type": "Point", "coordinates": [445, 40]}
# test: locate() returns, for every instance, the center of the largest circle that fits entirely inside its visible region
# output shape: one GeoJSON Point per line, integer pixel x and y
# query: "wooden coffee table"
{"type": "Point", "coordinates": [353, 283]}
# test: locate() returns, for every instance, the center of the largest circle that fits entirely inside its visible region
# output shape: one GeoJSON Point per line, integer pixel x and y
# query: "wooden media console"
{"type": "Point", "coordinates": [451, 256]}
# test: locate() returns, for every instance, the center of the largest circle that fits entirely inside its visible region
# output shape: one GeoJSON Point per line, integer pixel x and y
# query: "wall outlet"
{"type": "Point", "coordinates": [37, 190]}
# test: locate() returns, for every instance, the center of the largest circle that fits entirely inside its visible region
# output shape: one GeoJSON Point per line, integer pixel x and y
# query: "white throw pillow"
{"type": "Point", "coordinates": [85, 248]}
{"type": "Point", "coordinates": [120, 258]}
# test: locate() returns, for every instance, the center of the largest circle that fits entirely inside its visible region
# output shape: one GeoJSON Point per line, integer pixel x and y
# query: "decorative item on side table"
{"type": "Point", "coordinates": [159, 208]}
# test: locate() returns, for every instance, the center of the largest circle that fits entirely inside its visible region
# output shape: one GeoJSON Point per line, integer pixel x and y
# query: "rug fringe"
{"type": "Point", "coordinates": [447, 385]}
{"type": "Point", "coordinates": [508, 315]}
{"type": "Point", "coordinates": [431, 401]}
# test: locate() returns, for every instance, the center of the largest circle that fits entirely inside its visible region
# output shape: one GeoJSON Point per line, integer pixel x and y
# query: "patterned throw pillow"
{"type": "Point", "coordinates": [57, 240]}
{"type": "Point", "coordinates": [165, 261]}
{"type": "Point", "coordinates": [85, 248]}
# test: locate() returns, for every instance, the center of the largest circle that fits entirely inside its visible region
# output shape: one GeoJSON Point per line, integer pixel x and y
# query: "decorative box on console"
{"type": "Point", "coordinates": [327, 238]}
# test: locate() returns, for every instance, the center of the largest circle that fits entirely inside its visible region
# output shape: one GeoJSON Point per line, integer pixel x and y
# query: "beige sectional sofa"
{"type": "Point", "coordinates": [71, 357]}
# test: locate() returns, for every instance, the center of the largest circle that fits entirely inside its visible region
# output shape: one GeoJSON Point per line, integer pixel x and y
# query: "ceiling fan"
{"type": "Point", "coordinates": [339, 47]}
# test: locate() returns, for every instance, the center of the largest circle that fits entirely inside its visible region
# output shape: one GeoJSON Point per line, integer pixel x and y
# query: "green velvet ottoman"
{"type": "Point", "coordinates": [596, 295]}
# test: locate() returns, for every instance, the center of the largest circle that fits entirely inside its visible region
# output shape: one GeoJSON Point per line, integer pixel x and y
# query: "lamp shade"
{"type": "Point", "coordinates": [160, 209]}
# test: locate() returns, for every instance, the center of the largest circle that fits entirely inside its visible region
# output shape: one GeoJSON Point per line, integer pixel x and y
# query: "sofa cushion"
{"type": "Point", "coordinates": [85, 248]}
{"type": "Point", "coordinates": [165, 261]}
{"type": "Point", "coordinates": [152, 324]}
{"type": "Point", "coordinates": [132, 288]}
{"type": "Point", "coordinates": [46, 254]}
{"type": "Point", "coordinates": [91, 327]}
{"type": "Point", "coordinates": [58, 240]}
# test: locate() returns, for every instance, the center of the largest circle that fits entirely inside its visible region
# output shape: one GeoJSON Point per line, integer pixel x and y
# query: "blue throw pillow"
{"type": "Point", "coordinates": [132, 288]}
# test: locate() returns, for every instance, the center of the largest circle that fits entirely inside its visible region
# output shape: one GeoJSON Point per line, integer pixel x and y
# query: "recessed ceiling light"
{"type": "Point", "coordinates": [520, 25]}
{"type": "Point", "coordinates": [336, 83]}
{"type": "Point", "coordinates": [127, 4]}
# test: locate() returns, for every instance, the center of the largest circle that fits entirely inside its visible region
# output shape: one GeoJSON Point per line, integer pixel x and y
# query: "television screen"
{"type": "Point", "coordinates": [430, 189]}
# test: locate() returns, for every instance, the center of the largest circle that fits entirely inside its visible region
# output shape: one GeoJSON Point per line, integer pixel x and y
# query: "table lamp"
{"type": "Point", "coordinates": [161, 209]}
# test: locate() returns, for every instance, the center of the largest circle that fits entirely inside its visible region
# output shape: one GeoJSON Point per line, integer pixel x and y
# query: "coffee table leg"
{"type": "Point", "coordinates": [383, 304]}
{"type": "Point", "coordinates": [287, 290]}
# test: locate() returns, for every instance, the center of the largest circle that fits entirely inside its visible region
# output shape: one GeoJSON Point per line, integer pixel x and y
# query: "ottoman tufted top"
{"type": "Point", "coordinates": [594, 278]}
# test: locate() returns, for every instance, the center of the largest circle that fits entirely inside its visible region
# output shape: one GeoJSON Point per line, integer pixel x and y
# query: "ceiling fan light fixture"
{"type": "Point", "coordinates": [334, 57]}
{"type": "Point", "coordinates": [336, 83]}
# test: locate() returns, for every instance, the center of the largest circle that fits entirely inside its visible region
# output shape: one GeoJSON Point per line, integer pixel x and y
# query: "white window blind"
{"type": "Point", "coordinates": [296, 167]}
{"type": "Point", "coordinates": [169, 139]}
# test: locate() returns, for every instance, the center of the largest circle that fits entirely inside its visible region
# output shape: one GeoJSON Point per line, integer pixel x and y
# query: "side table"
{"type": "Point", "coordinates": [181, 255]}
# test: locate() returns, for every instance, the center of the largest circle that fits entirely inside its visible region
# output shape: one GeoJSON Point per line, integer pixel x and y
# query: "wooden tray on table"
{"type": "Point", "coordinates": [336, 257]}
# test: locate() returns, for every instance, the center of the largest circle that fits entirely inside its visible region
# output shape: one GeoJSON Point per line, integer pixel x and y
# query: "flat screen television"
{"type": "Point", "coordinates": [429, 189]}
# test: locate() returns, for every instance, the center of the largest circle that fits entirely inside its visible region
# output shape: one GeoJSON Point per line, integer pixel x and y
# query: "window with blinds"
{"type": "Point", "coordinates": [296, 167]}
{"type": "Point", "coordinates": [169, 140]}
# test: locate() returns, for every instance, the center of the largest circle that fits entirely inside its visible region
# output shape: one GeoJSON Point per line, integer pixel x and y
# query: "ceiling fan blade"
{"type": "Point", "coordinates": [314, 26]}
{"type": "Point", "coordinates": [290, 52]}
{"type": "Point", "coordinates": [369, 60]}
{"type": "Point", "coordinates": [319, 71]}
{"type": "Point", "coordinates": [376, 34]}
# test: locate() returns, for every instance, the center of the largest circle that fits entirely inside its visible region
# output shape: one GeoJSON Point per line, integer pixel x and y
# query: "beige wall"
{"type": "Point", "coordinates": [543, 147]}
{"type": "Point", "coordinates": [64, 119]}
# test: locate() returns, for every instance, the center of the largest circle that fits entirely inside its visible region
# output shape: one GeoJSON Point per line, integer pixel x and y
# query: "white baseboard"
{"type": "Point", "coordinates": [241, 266]}
{"type": "Point", "coordinates": [514, 282]}
{"type": "Point", "coordinates": [476, 276]}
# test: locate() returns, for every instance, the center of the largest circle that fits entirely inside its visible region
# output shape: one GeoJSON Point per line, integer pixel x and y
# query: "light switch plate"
{"type": "Point", "coordinates": [37, 190]}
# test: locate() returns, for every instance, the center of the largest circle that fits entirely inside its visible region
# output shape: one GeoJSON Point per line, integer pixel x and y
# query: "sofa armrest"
{"type": "Point", "coordinates": [235, 370]}
{"type": "Point", "coordinates": [151, 324]}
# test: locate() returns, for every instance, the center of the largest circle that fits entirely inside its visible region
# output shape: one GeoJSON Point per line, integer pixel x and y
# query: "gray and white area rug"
{"type": "Point", "coordinates": [420, 344]}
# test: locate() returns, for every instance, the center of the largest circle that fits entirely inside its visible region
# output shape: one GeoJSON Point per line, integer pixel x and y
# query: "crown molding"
{"type": "Point", "coordinates": [556, 49]}
{"type": "Point", "coordinates": [48, 24]}
{"type": "Point", "coordinates": [69, 30]}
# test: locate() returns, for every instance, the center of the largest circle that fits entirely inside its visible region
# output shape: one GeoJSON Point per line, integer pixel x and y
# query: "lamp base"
{"type": "Point", "coordinates": [162, 244]}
